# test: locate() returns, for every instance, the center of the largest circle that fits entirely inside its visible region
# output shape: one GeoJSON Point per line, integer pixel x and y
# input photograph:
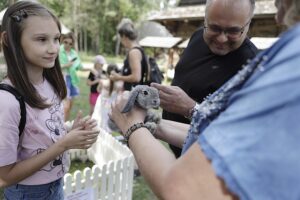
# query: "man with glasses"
{"type": "Point", "coordinates": [214, 54]}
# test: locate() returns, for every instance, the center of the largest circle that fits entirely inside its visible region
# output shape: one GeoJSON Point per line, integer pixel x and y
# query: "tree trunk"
{"type": "Point", "coordinates": [76, 4]}
{"type": "Point", "coordinates": [85, 40]}
{"type": "Point", "coordinates": [11, 2]}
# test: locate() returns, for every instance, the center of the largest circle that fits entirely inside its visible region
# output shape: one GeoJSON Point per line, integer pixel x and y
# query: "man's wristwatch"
{"type": "Point", "coordinates": [192, 111]}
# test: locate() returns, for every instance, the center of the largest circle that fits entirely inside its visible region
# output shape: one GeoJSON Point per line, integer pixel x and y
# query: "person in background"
{"type": "Point", "coordinates": [33, 164]}
{"type": "Point", "coordinates": [243, 141]}
{"type": "Point", "coordinates": [214, 54]}
{"type": "Point", "coordinates": [70, 63]}
{"type": "Point", "coordinates": [94, 81]}
{"type": "Point", "coordinates": [135, 64]}
{"type": "Point", "coordinates": [110, 90]}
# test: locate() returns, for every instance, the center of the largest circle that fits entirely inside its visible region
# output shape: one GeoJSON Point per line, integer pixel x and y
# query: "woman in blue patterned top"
{"type": "Point", "coordinates": [243, 141]}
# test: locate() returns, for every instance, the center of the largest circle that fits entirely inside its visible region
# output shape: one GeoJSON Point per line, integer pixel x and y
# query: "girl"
{"type": "Point", "coordinates": [135, 64]}
{"type": "Point", "coordinates": [32, 165]}
{"type": "Point", "coordinates": [94, 81]}
{"type": "Point", "coordinates": [110, 90]}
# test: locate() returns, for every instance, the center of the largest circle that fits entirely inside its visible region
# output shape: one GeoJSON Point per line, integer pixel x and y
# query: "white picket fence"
{"type": "Point", "coordinates": [110, 178]}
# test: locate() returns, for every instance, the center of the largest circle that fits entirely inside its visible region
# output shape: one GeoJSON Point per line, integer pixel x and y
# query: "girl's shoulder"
{"type": "Point", "coordinates": [7, 99]}
{"type": "Point", "coordinates": [8, 103]}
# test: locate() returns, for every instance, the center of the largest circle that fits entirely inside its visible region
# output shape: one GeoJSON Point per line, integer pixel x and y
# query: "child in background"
{"type": "Point", "coordinates": [32, 165]}
{"type": "Point", "coordinates": [113, 86]}
{"type": "Point", "coordinates": [109, 92]}
{"type": "Point", "coordinates": [94, 81]}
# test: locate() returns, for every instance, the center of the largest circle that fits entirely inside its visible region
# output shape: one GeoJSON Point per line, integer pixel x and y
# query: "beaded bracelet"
{"type": "Point", "coordinates": [191, 112]}
{"type": "Point", "coordinates": [132, 129]}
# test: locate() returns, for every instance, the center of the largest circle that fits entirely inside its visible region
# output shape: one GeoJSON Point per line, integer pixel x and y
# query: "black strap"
{"type": "Point", "coordinates": [145, 67]}
{"type": "Point", "coordinates": [20, 98]}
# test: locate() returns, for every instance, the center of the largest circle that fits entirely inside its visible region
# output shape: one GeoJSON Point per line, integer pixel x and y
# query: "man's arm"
{"type": "Point", "coordinates": [172, 132]}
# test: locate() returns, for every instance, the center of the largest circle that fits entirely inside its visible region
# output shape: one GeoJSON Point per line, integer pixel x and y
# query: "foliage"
{"type": "Point", "coordinates": [95, 21]}
{"type": "Point", "coordinates": [78, 165]}
{"type": "Point", "coordinates": [3, 4]}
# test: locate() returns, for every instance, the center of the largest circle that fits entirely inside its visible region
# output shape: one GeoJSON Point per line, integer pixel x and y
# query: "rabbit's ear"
{"type": "Point", "coordinates": [132, 98]}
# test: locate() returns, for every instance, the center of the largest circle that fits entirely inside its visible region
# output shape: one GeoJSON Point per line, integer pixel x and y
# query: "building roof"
{"type": "Point", "coordinates": [262, 9]}
{"type": "Point", "coordinates": [263, 42]}
{"type": "Point", "coordinates": [191, 2]}
{"type": "Point", "coordinates": [160, 42]}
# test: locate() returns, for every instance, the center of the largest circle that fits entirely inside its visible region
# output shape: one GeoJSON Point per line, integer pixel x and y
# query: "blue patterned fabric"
{"type": "Point", "coordinates": [250, 128]}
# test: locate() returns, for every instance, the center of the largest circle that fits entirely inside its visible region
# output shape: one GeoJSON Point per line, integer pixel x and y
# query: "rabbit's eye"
{"type": "Point", "coordinates": [145, 92]}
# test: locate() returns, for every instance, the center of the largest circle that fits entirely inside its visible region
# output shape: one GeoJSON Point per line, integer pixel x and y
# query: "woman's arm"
{"type": "Point", "coordinates": [135, 58]}
{"type": "Point", "coordinates": [189, 177]}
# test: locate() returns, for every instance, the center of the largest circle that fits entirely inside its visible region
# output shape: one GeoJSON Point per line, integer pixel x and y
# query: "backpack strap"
{"type": "Point", "coordinates": [146, 74]}
{"type": "Point", "coordinates": [20, 98]}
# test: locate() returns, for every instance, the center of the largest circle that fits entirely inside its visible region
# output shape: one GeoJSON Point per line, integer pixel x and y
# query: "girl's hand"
{"type": "Point", "coordinates": [79, 139]}
{"type": "Point", "coordinates": [100, 86]}
{"type": "Point", "coordinates": [114, 76]}
{"type": "Point", "coordinates": [84, 123]}
{"type": "Point", "coordinates": [125, 120]}
{"type": "Point", "coordinates": [69, 64]}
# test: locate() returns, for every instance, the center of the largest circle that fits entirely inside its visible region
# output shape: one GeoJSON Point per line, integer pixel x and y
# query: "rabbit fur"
{"type": "Point", "coordinates": [145, 97]}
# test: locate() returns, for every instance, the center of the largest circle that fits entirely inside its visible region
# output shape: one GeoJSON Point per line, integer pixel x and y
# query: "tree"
{"type": "Point", "coordinates": [94, 22]}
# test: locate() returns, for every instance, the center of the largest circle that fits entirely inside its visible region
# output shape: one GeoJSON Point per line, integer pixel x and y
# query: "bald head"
{"type": "Point", "coordinates": [232, 3]}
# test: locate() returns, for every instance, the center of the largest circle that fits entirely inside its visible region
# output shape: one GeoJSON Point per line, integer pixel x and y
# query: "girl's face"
{"type": "Point", "coordinates": [98, 66]}
{"type": "Point", "coordinates": [68, 43]}
{"type": "Point", "coordinates": [40, 42]}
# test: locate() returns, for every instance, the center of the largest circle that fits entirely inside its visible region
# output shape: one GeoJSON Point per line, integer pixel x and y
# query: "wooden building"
{"type": "Point", "coordinates": [184, 19]}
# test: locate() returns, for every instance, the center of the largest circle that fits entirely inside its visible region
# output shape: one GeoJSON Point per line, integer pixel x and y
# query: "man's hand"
{"type": "Point", "coordinates": [174, 99]}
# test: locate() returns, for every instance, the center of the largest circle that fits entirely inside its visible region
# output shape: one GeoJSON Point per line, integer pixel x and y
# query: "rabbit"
{"type": "Point", "coordinates": [147, 98]}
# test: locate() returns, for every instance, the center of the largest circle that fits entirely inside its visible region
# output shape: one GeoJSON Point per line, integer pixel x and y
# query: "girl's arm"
{"type": "Point", "coordinates": [89, 82]}
{"type": "Point", "coordinates": [75, 139]}
{"type": "Point", "coordinates": [67, 65]}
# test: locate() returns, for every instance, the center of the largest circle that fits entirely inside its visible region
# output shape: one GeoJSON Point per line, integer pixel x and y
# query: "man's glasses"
{"type": "Point", "coordinates": [68, 43]}
{"type": "Point", "coordinates": [231, 33]}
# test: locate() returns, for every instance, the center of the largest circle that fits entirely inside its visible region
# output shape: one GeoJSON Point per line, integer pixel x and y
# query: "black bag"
{"type": "Point", "coordinates": [20, 98]}
{"type": "Point", "coordinates": [151, 72]}
{"type": "Point", "coordinates": [154, 75]}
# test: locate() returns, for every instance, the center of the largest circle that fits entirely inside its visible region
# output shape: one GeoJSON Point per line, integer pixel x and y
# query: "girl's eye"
{"type": "Point", "coordinates": [42, 39]}
{"type": "Point", "coordinates": [57, 39]}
